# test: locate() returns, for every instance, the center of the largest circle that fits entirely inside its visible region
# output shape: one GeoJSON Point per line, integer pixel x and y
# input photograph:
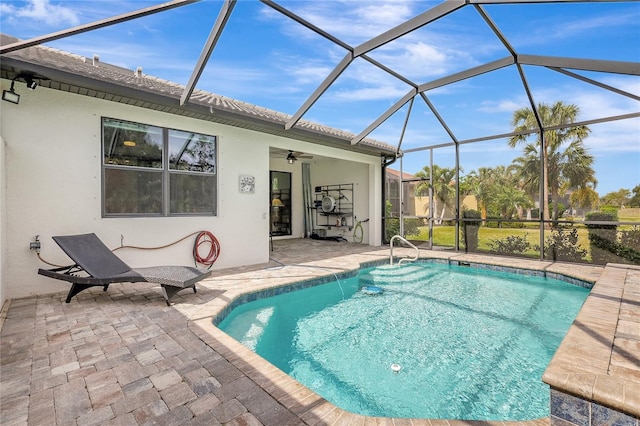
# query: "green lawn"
{"type": "Point", "coordinates": [445, 236]}
{"type": "Point", "coordinates": [629, 215]}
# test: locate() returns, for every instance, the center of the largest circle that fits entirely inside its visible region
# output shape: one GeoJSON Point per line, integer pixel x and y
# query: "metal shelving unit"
{"type": "Point", "coordinates": [334, 208]}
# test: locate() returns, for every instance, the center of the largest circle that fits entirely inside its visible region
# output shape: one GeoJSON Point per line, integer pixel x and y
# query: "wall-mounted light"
{"type": "Point", "coordinates": [290, 160]}
{"type": "Point", "coordinates": [31, 83]}
{"type": "Point", "coordinates": [10, 95]}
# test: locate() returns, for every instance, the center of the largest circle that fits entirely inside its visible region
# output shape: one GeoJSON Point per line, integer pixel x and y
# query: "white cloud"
{"type": "Point", "coordinates": [310, 74]}
{"type": "Point", "coordinates": [615, 136]}
{"type": "Point", "coordinates": [579, 25]}
{"type": "Point", "coordinates": [565, 27]}
{"type": "Point", "coordinates": [415, 59]}
{"type": "Point", "coordinates": [355, 21]}
{"type": "Point", "coordinates": [352, 22]}
{"type": "Point", "coordinates": [503, 105]}
{"type": "Point", "coordinates": [42, 11]}
{"type": "Point", "coordinates": [387, 13]}
{"type": "Point", "coordinates": [369, 93]}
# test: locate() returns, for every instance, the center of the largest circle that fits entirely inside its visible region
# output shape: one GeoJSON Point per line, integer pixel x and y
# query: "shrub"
{"type": "Point", "coordinates": [561, 209]}
{"type": "Point", "coordinates": [562, 244]}
{"type": "Point", "coordinates": [472, 214]}
{"type": "Point", "coordinates": [392, 227]}
{"type": "Point", "coordinates": [603, 238]}
{"type": "Point", "coordinates": [631, 238]}
{"type": "Point", "coordinates": [613, 210]}
{"type": "Point", "coordinates": [629, 247]}
{"type": "Point", "coordinates": [512, 245]}
{"type": "Point", "coordinates": [411, 227]}
{"type": "Point", "coordinates": [492, 222]}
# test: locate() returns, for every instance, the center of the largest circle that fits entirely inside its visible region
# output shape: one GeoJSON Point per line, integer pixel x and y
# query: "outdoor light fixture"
{"type": "Point", "coordinates": [31, 83]}
{"type": "Point", "coordinates": [291, 158]}
{"type": "Point", "coordinates": [11, 95]}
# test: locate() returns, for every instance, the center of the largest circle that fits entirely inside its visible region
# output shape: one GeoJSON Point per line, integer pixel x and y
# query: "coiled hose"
{"type": "Point", "coordinates": [203, 238]}
{"type": "Point", "coordinates": [358, 232]}
{"type": "Point", "coordinates": [206, 238]}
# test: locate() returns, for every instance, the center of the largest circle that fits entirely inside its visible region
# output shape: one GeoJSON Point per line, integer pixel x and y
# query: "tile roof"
{"type": "Point", "coordinates": [396, 173]}
{"type": "Point", "coordinates": [90, 77]}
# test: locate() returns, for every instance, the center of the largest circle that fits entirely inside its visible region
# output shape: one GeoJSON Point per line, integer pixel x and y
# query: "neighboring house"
{"type": "Point", "coordinates": [415, 205]}
{"type": "Point", "coordinates": [98, 148]}
{"type": "Point", "coordinates": [393, 184]}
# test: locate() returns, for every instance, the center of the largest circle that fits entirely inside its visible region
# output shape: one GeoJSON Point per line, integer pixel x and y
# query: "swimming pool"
{"type": "Point", "coordinates": [439, 342]}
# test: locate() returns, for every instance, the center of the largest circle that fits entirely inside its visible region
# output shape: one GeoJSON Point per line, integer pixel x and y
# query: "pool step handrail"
{"type": "Point", "coordinates": [404, 259]}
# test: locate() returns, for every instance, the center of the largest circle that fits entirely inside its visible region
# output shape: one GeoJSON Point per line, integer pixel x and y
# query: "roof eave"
{"type": "Point", "coordinates": [59, 79]}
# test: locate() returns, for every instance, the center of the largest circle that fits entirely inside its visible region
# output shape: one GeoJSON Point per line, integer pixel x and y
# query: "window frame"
{"type": "Point", "coordinates": [165, 170]}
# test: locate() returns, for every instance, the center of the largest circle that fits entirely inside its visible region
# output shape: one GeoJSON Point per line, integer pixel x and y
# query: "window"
{"type": "Point", "coordinates": [153, 171]}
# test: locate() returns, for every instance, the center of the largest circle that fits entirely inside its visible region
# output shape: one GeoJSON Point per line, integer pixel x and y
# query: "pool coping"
{"type": "Point", "coordinates": [312, 408]}
{"type": "Point", "coordinates": [596, 369]}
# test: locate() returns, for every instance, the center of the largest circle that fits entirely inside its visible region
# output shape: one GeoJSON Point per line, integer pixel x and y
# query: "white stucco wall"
{"type": "Point", "coordinates": [53, 187]}
{"type": "Point", "coordinates": [3, 257]}
{"type": "Point", "coordinates": [340, 172]}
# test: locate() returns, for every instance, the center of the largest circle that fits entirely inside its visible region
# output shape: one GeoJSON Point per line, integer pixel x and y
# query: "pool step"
{"type": "Point", "coordinates": [395, 275]}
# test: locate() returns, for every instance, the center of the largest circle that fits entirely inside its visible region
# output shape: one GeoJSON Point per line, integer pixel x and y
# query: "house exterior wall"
{"type": "Point", "coordinates": [3, 228]}
{"type": "Point", "coordinates": [53, 187]}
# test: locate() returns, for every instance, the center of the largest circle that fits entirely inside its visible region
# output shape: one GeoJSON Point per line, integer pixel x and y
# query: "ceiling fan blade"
{"type": "Point", "coordinates": [300, 154]}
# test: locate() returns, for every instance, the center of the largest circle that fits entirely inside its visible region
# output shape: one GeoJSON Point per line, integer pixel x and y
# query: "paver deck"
{"type": "Point", "coordinates": [123, 357]}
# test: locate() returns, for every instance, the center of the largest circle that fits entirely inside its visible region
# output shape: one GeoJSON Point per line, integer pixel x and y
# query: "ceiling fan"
{"type": "Point", "coordinates": [294, 156]}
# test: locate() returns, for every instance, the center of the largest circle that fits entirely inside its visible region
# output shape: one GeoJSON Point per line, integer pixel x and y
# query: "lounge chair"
{"type": "Point", "coordinates": [99, 266]}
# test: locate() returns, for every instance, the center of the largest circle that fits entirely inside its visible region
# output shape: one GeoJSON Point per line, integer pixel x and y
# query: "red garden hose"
{"type": "Point", "coordinates": [202, 239]}
{"type": "Point", "coordinates": [206, 238]}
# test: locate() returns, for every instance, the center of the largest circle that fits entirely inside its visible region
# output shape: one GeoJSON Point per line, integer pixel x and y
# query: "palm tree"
{"type": "Point", "coordinates": [509, 196]}
{"type": "Point", "coordinates": [443, 186]}
{"type": "Point", "coordinates": [498, 191]}
{"type": "Point", "coordinates": [571, 167]}
{"type": "Point", "coordinates": [528, 167]}
{"type": "Point", "coordinates": [481, 186]}
{"type": "Point", "coordinates": [584, 197]}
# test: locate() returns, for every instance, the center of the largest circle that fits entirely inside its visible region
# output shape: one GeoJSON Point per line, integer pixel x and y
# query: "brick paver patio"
{"type": "Point", "coordinates": [123, 357]}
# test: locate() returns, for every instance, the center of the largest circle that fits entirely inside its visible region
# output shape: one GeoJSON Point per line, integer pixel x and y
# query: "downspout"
{"type": "Point", "coordinates": [386, 161]}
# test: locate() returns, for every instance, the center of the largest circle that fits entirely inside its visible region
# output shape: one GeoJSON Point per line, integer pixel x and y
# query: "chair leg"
{"type": "Point", "coordinates": [77, 288]}
{"type": "Point", "coordinates": [168, 291]}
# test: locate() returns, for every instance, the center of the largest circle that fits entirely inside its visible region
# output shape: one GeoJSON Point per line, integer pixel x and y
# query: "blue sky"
{"type": "Point", "coordinates": [269, 60]}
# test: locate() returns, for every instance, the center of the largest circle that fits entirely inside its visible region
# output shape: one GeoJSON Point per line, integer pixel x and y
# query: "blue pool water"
{"type": "Point", "coordinates": [436, 341]}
